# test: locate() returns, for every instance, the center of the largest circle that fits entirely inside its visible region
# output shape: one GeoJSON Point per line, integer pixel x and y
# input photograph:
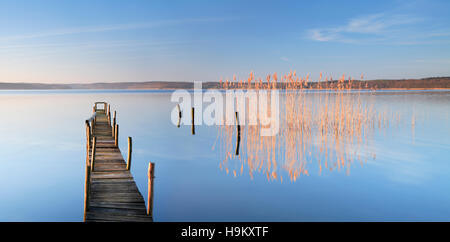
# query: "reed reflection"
{"type": "Point", "coordinates": [328, 128]}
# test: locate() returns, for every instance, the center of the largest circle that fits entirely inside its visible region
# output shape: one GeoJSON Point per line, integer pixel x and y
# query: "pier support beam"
{"type": "Point", "coordinates": [94, 141]}
{"type": "Point", "coordinates": [88, 136]}
{"type": "Point", "coordinates": [113, 127]}
{"type": "Point", "coordinates": [87, 187]}
{"type": "Point", "coordinates": [129, 153]}
{"type": "Point", "coordinates": [151, 176]}
{"type": "Point", "coordinates": [116, 135]}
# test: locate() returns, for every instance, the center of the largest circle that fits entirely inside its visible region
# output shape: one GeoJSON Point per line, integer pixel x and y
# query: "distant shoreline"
{"type": "Point", "coordinates": [398, 84]}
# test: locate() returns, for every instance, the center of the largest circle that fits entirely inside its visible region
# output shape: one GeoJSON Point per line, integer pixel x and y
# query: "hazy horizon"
{"type": "Point", "coordinates": [61, 42]}
{"type": "Point", "coordinates": [204, 81]}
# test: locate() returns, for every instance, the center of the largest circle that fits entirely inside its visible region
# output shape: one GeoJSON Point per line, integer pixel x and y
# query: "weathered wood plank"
{"type": "Point", "coordinates": [137, 206]}
{"type": "Point", "coordinates": [111, 175]}
{"type": "Point", "coordinates": [117, 211]}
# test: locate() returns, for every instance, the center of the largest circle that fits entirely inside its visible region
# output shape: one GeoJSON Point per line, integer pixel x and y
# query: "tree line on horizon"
{"type": "Point", "coordinates": [430, 82]}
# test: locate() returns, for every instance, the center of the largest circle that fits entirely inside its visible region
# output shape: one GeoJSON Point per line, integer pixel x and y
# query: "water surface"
{"type": "Point", "coordinates": [400, 172]}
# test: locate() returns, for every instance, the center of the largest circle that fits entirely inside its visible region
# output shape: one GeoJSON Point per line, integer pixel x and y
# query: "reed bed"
{"type": "Point", "coordinates": [327, 123]}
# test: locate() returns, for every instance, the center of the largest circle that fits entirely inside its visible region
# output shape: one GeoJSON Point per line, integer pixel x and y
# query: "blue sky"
{"type": "Point", "coordinates": [59, 41]}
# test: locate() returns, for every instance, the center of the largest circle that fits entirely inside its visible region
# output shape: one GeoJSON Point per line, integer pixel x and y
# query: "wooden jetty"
{"type": "Point", "coordinates": [111, 194]}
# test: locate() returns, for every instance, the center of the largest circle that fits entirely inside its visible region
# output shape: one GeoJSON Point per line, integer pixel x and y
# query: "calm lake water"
{"type": "Point", "coordinates": [396, 169]}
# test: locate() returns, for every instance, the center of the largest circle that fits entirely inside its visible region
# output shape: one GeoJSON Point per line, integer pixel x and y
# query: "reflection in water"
{"type": "Point", "coordinates": [330, 128]}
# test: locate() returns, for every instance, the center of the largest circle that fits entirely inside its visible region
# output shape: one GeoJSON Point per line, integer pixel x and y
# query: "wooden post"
{"type": "Point", "coordinates": [94, 141]}
{"type": "Point", "coordinates": [238, 133]}
{"type": "Point", "coordinates": [151, 176]}
{"type": "Point", "coordinates": [92, 128]}
{"type": "Point", "coordinates": [179, 110]}
{"type": "Point", "coordinates": [179, 122]}
{"type": "Point", "coordinates": [179, 115]}
{"type": "Point", "coordinates": [116, 136]}
{"type": "Point", "coordinates": [88, 135]}
{"type": "Point", "coordinates": [193, 121]}
{"type": "Point", "coordinates": [87, 188]}
{"type": "Point", "coordinates": [129, 153]}
{"type": "Point", "coordinates": [113, 127]}
{"type": "Point", "coordinates": [95, 112]}
{"type": "Point", "coordinates": [108, 113]}
{"type": "Point", "coordinates": [238, 125]}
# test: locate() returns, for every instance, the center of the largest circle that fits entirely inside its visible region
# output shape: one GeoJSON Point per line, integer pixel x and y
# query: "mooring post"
{"type": "Point", "coordinates": [116, 135]}
{"type": "Point", "coordinates": [108, 113]}
{"type": "Point", "coordinates": [88, 135]}
{"type": "Point", "coordinates": [113, 127]}
{"type": "Point", "coordinates": [179, 122]}
{"type": "Point", "coordinates": [179, 110]}
{"type": "Point", "coordinates": [238, 124]}
{"type": "Point", "coordinates": [193, 121]}
{"type": "Point", "coordinates": [238, 133]}
{"type": "Point", "coordinates": [179, 115]}
{"type": "Point", "coordinates": [151, 176]}
{"type": "Point", "coordinates": [129, 153]}
{"type": "Point", "coordinates": [94, 141]}
{"type": "Point", "coordinates": [87, 188]}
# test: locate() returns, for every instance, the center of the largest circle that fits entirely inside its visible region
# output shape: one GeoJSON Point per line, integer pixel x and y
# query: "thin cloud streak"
{"type": "Point", "coordinates": [117, 27]}
{"type": "Point", "coordinates": [374, 27]}
{"type": "Point", "coordinates": [100, 44]}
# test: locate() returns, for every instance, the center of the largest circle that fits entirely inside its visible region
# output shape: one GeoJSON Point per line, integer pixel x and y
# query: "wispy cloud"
{"type": "Point", "coordinates": [90, 45]}
{"type": "Point", "coordinates": [107, 28]}
{"type": "Point", "coordinates": [374, 27]}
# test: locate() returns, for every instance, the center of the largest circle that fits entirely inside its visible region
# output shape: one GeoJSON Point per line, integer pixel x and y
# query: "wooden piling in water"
{"type": "Point", "coordinates": [94, 141]}
{"type": "Point", "coordinates": [129, 153]}
{"type": "Point", "coordinates": [179, 110]}
{"type": "Point", "coordinates": [193, 121]}
{"type": "Point", "coordinates": [151, 176]}
{"type": "Point", "coordinates": [92, 127]}
{"type": "Point", "coordinates": [114, 124]}
{"type": "Point", "coordinates": [238, 133]}
{"type": "Point", "coordinates": [88, 135]}
{"type": "Point", "coordinates": [108, 114]}
{"type": "Point", "coordinates": [87, 185]}
{"type": "Point", "coordinates": [179, 115]}
{"type": "Point", "coordinates": [116, 135]}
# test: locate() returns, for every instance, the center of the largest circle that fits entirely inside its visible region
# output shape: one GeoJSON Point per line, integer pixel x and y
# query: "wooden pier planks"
{"type": "Point", "coordinates": [113, 194]}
